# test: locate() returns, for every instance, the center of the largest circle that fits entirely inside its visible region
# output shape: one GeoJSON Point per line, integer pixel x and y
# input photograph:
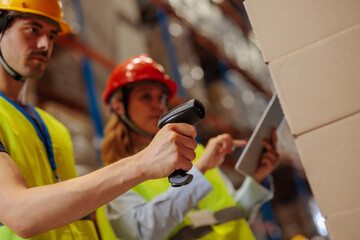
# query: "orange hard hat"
{"type": "Point", "coordinates": [137, 69]}
{"type": "Point", "coordinates": [52, 9]}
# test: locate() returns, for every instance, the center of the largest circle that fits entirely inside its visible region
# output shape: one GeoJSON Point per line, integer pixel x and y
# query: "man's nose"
{"type": "Point", "coordinates": [44, 42]}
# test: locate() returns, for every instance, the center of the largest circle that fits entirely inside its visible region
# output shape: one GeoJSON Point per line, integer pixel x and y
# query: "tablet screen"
{"type": "Point", "coordinates": [271, 118]}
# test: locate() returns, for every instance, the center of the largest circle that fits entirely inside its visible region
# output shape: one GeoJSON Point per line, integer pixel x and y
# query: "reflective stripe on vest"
{"type": "Point", "coordinates": [222, 216]}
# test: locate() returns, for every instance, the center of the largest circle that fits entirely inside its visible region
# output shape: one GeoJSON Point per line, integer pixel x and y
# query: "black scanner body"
{"type": "Point", "coordinates": [190, 112]}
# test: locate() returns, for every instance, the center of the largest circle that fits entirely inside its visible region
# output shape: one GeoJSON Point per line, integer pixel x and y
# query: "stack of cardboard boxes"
{"type": "Point", "coordinates": [312, 49]}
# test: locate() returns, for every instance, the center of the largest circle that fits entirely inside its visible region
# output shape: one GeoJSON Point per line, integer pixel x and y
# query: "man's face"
{"type": "Point", "coordinates": [27, 45]}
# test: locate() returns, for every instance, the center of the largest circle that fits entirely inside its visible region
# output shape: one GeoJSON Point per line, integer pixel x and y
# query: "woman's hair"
{"type": "Point", "coordinates": [117, 143]}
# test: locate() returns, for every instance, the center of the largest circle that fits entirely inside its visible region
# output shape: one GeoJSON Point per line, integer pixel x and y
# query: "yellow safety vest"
{"type": "Point", "coordinates": [105, 229]}
{"type": "Point", "coordinates": [22, 142]}
{"type": "Point", "coordinates": [215, 201]}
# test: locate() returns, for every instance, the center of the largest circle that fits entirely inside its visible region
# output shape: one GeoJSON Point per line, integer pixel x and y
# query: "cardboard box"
{"type": "Point", "coordinates": [330, 156]}
{"type": "Point", "coordinates": [344, 225]}
{"type": "Point", "coordinates": [313, 52]}
{"type": "Point", "coordinates": [285, 26]}
{"type": "Point", "coordinates": [319, 84]}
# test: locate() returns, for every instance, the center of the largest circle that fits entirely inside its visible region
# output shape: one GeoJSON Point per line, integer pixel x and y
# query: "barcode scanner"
{"type": "Point", "coordinates": [190, 112]}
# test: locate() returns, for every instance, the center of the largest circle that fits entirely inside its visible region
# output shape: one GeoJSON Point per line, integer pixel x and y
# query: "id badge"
{"type": "Point", "coordinates": [201, 218]}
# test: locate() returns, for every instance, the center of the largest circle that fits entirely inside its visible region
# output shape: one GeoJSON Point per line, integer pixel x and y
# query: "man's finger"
{"type": "Point", "coordinates": [187, 142]}
{"type": "Point", "coordinates": [188, 154]}
{"type": "Point", "coordinates": [182, 128]}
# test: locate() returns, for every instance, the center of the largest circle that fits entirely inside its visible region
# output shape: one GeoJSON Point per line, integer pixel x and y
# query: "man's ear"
{"type": "Point", "coordinates": [117, 107]}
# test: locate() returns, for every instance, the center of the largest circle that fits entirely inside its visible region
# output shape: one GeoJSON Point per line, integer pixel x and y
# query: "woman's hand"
{"type": "Point", "coordinates": [216, 150]}
{"type": "Point", "coordinates": [269, 159]}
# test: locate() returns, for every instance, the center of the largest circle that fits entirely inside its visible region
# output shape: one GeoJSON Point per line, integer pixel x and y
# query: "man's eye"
{"type": "Point", "coordinates": [53, 37]}
{"type": "Point", "coordinates": [33, 29]}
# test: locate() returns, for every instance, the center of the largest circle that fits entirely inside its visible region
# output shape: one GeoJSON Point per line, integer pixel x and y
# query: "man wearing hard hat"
{"type": "Point", "coordinates": [40, 196]}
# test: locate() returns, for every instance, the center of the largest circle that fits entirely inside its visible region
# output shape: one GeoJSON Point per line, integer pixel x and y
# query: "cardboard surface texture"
{"type": "Point", "coordinates": [313, 53]}
{"type": "Point", "coordinates": [344, 225]}
{"type": "Point", "coordinates": [284, 26]}
{"type": "Point", "coordinates": [320, 83]}
{"type": "Point", "coordinates": [330, 156]}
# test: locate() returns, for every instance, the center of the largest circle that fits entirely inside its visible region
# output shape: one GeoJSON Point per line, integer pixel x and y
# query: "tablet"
{"type": "Point", "coordinates": [271, 118]}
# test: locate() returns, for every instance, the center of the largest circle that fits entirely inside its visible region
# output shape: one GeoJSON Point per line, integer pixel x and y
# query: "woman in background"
{"type": "Point", "coordinates": [137, 94]}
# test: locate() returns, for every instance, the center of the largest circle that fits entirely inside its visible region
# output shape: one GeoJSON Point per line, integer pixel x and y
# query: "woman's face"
{"type": "Point", "coordinates": [147, 103]}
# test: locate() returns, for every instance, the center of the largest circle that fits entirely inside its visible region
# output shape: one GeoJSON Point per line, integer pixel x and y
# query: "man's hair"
{"type": "Point", "coordinates": [7, 18]}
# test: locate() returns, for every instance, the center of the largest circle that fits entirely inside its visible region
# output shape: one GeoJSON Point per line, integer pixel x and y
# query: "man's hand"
{"type": "Point", "coordinates": [216, 150]}
{"type": "Point", "coordinates": [172, 148]}
{"type": "Point", "coordinates": [269, 159]}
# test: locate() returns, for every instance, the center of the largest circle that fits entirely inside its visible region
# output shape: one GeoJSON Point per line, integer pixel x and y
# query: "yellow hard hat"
{"type": "Point", "coordinates": [52, 9]}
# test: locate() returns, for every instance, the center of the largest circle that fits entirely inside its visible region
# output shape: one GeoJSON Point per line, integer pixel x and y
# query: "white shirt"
{"type": "Point", "coordinates": [133, 217]}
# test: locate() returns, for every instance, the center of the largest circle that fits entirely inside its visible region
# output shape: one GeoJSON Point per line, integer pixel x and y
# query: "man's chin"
{"type": "Point", "coordinates": [35, 73]}
{"type": "Point", "coordinates": [34, 76]}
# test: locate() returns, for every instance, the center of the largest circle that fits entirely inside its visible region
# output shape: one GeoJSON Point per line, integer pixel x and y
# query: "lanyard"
{"type": "Point", "coordinates": [46, 141]}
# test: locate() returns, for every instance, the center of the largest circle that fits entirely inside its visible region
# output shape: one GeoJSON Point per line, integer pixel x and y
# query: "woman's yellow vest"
{"type": "Point", "coordinates": [218, 199]}
{"type": "Point", "coordinates": [22, 142]}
